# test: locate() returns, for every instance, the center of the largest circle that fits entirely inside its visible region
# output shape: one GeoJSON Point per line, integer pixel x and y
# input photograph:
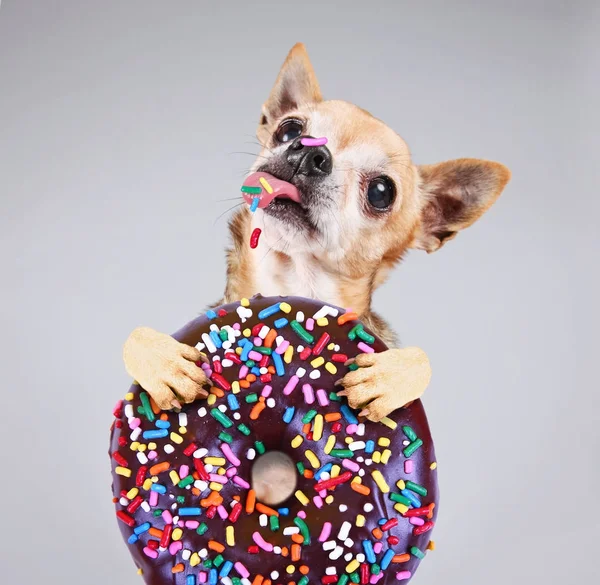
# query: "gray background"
{"type": "Point", "coordinates": [117, 120]}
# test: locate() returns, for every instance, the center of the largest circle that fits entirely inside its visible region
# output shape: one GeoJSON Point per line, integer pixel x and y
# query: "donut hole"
{"type": "Point", "coordinates": [273, 477]}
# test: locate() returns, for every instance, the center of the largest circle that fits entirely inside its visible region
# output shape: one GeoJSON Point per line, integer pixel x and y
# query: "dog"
{"type": "Point", "coordinates": [362, 205]}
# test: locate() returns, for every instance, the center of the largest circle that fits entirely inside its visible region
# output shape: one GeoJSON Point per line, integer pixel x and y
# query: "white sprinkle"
{"type": "Point", "coordinates": [291, 530]}
{"type": "Point", "coordinates": [360, 557]}
{"type": "Point", "coordinates": [237, 416]}
{"type": "Point", "coordinates": [124, 501]}
{"type": "Point", "coordinates": [348, 543]}
{"type": "Point", "coordinates": [337, 553]}
{"type": "Point", "coordinates": [183, 419]}
{"type": "Point", "coordinates": [331, 571]}
{"type": "Point", "coordinates": [344, 530]}
{"type": "Point", "coordinates": [368, 461]}
{"type": "Point", "coordinates": [209, 467]}
{"type": "Point", "coordinates": [279, 340]}
{"type": "Point", "coordinates": [264, 370]}
{"type": "Point", "coordinates": [348, 557]}
{"type": "Point", "coordinates": [271, 402]}
{"type": "Point", "coordinates": [361, 472]}
{"type": "Point", "coordinates": [263, 520]}
{"type": "Point", "coordinates": [246, 582]}
{"type": "Point", "coordinates": [336, 347]}
{"type": "Point", "coordinates": [214, 327]}
{"type": "Point", "coordinates": [146, 507]}
{"type": "Point", "coordinates": [200, 346]}
{"type": "Point", "coordinates": [169, 448]}
{"type": "Point", "coordinates": [277, 550]}
{"type": "Point", "coordinates": [222, 408]}
{"type": "Point", "coordinates": [142, 458]}
{"type": "Point", "coordinates": [368, 507]}
{"type": "Point", "coordinates": [360, 459]}
{"type": "Point", "coordinates": [325, 475]}
{"type": "Point", "coordinates": [300, 372]}
{"type": "Point", "coordinates": [299, 316]}
{"type": "Point", "coordinates": [264, 331]}
{"type": "Point", "coordinates": [343, 508]}
{"type": "Point", "coordinates": [357, 445]}
{"type": "Point", "coordinates": [227, 363]}
{"type": "Point", "coordinates": [128, 411]}
{"type": "Point", "coordinates": [203, 553]}
{"type": "Point", "coordinates": [226, 581]}
{"type": "Point", "coordinates": [299, 348]}
{"type": "Point", "coordinates": [251, 454]}
{"type": "Point", "coordinates": [274, 574]}
{"type": "Point", "coordinates": [199, 453]}
{"type": "Point", "coordinates": [202, 411]}
{"type": "Point", "coordinates": [406, 443]}
{"type": "Point", "coordinates": [329, 545]}
{"type": "Point", "coordinates": [360, 431]}
{"type": "Point", "coordinates": [209, 343]}
{"type": "Point", "coordinates": [135, 434]}
{"type": "Point", "coordinates": [314, 375]}
{"type": "Point", "coordinates": [186, 554]}
{"type": "Point", "coordinates": [200, 485]}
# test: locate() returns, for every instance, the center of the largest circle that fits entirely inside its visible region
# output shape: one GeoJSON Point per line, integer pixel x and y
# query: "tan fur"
{"type": "Point", "coordinates": [352, 248]}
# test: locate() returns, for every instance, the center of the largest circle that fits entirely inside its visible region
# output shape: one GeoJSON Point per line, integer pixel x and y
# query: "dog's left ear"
{"type": "Point", "coordinates": [456, 194]}
{"type": "Point", "coordinates": [296, 85]}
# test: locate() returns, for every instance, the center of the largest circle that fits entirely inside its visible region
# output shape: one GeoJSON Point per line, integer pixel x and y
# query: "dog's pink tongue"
{"type": "Point", "coordinates": [270, 188]}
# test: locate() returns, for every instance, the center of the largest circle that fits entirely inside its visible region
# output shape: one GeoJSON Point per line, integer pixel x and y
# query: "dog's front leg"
{"type": "Point", "coordinates": [386, 381]}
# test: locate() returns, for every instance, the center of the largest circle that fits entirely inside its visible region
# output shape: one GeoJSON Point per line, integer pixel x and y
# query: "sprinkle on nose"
{"type": "Point", "coordinates": [310, 157]}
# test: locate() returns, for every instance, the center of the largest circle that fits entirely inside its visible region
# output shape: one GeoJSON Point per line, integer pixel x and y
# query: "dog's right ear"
{"type": "Point", "coordinates": [296, 85]}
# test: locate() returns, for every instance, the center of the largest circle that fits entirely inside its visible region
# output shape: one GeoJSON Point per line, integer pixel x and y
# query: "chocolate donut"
{"type": "Point", "coordinates": [365, 496]}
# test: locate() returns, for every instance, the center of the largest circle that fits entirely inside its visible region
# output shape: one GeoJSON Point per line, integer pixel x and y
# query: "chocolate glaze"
{"type": "Point", "coordinates": [276, 435]}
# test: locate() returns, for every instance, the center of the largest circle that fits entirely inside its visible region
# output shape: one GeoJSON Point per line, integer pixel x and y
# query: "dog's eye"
{"type": "Point", "coordinates": [381, 193]}
{"type": "Point", "coordinates": [288, 130]}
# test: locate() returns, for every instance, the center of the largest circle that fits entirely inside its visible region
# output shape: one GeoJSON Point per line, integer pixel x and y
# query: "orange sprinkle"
{"type": "Point", "coordinates": [256, 410]}
{"type": "Point", "coordinates": [217, 392]}
{"type": "Point", "coordinates": [271, 369]}
{"type": "Point", "coordinates": [178, 568]}
{"type": "Point", "coordinates": [291, 583]}
{"type": "Point", "coordinates": [431, 507]}
{"type": "Point", "coordinates": [297, 538]}
{"type": "Point", "coordinates": [195, 491]}
{"type": "Point", "coordinates": [308, 473]}
{"type": "Point", "coordinates": [214, 499]}
{"type": "Point", "coordinates": [164, 416]}
{"type": "Point", "coordinates": [304, 570]}
{"type": "Point", "coordinates": [431, 545]}
{"type": "Point", "coordinates": [159, 468]}
{"type": "Point", "coordinates": [237, 498]}
{"type": "Point", "coordinates": [376, 532]}
{"type": "Point", "coordinates": [285, 551]}
{"type": "Point", "coordinates": [115, 500]}
{"type": "Point", "coordinates": [401, 558]}
{"type": "Point", "coordinates": [296, 552]}
{"type": "Point", "coordinates": [251, 378]}
{"type": "Point", "coordinates": [216, 546]}
{"type": "Point", "coordinates": [306, 428]}
{"type": "Point", "coordinates": [270, 338]}
{"type": "Point", "coordinates": [251, 501]}
{"type": "Point", "coordinates": [155, 532]}
{"type": "Point", "coordinates": [347, 317]}
{"type": "Point", "coordinates": [333, 416]}
{"type": "Point", "coordinates": [154, 406]}
{"type": "Point", "coordinates": [244, 384]}
{"type": "Point", "coordinates": [258, 580]}
{"type": "Point", "coordinates": [266, 510]}
{"type": "Point", "coordinates": [360, 488]}
{"type": "Point", "coordinates": [267, 582]}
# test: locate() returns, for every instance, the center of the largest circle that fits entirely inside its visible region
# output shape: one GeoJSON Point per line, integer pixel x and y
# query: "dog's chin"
{"type": "Point", "coordinates": [290, 214]}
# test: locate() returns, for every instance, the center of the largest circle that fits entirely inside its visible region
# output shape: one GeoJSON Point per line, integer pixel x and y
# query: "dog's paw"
{"type": "Point", "coordinates": [165, 368]}
{"type": "Point", "coordinates": [386, 381]}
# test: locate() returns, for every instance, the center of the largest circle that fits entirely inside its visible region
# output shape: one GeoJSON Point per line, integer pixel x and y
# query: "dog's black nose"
{"type": "Point", "coordinates": [312, 161]}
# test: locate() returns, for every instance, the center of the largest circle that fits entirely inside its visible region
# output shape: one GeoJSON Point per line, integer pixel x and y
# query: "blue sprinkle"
{"type": "Point", "coordinates": [242, 342]}
{"type": "Point", "coordinates": [284, 511]}
{"type": "Point", "coordinates": [413, 499]}
{"type": "Point", "coordinates": [280, 323]}
{"type": "Point", "coordinates": [158, 487]}
{"type": "Point", "coordinates": [387, 559]}
{"type": "Point", "coordinates": [212, 577]}
{"type": "Point", "coordinates": [158, 434]}
{"type": "Point", "coordinates": [256, 371]}
{"type": "Point", "coordinates": [216, 339]}
{"type": "Point", "coordinates": [381, 521]}
{"type": "Point", "coordinates": [279, 367]}
{"type": "Point", "coordinates": [211, 314]}
{"type": "Point", "coordinates": [348, 414]}
{"type": "Point", "coordinates": [288, 415]}
{"type": "Point", "coordinates": [369, 552]}
{"type": "Point", "coordinates": [233, 401]}
{"type": "Point", "coordinates": [190, 511]}
{"type": "Point", "coordinates": [268, 311]}
{"type": "Point", "coordinates": [190, 580]}
{"type": "Point", "coordinates": [133, 539]}
{"type": "Point", "coordinates": [142, 528]}
{"type": "Point", "coordinates": [246, 351]}
{"type": "Point", "coordinates": [254, 205]}
{"type": "Point", "coordinates": [225, 569]}
{"type": "Point", "coordinates": [326, 467]}
{"type": "Point", "coordinates": [370, 446]}
{"type": "Point", "coordinates": [163, 424]}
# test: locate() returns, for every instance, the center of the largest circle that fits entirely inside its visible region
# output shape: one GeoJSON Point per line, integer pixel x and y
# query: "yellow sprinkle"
{"type": "Point", "coordinates": [177, 438]}
{"type": "Point", "coordinates": [335, 471]}
{"type": "Point", "coordinates": [221, 471]}
{"type": "Point", "coordinates": [290, 569]}
{"type": "Point", "coordinates": [312, 459]}
{"type": "Point", "coordinates": [401, 508]}
{"type": "Point", "coordinates": [235, 387]}
{"type": "Point", "coordinates": [385, 456]}
{"type": "Point", "coordinates": [349, 440]}
{"type": "Point", "coordinates": [194, 559]}
{"type": "Point", "coordinates": [142, 447]}
{"type": "Point", "coordinates": [287, 356]}
{"type": "Point", "coordinates": [376, 457]}
{"type": "Point", "coordinates": [330, 368]}
{"type": "Point", "coordinates": [174, 477]}
{"type": "Point", "coordinates": [322, 322]}
{"type": "Point", "coordinates": [182, 430]}
{"type": "Point", "coordinates": [329, 445]}
{"type": "Point", "coordinates": [247, 333]}
{"type": "Point", "coordinates": [217, 487]}
{"type": "Point", "coordinates": [245, 302]}
{"type": "Point", "coordinates": [123, 471]}
{"type": "Point", "coordinates": [356, 479]}
{"type": "Point", "coordinates": [177, 534]}
{"type": "Point", "coordinates": [433, 466]}
{"type": "Point", "coordinates": [132, 493]}
{"type": "Point", "coordinates": [380, 481]}
{"type": "Point", "coordinates": [388, 422]}
{"type": "Point", "coordinates": [266, 185]}
{"type": "Point", "coordinates": [360, 520]}
{"type": "Point", "coordinates": [239, 350]}
{"type": "Point", "coordinates": [140, 572]}
{"type": "Point", "coordinates": [129, 396]}
{"type": "Point", "coordinates": [147, 484]}
{"type": "Point", "coordinates": [211, 399]}
{"type": "Point", "coordinates": [383, 442]}
{"type": "Point", "coordinates": [216, 461]}
{"type": "Point", "coordinates": [431, 545]}
{"type": "Point", "coordinates": [134, 446]}
{"type": "Point", "coordinates": [400, 484]}
{"type": "Point", "coordinates": [318, 427]}
{"type": "Point", "coordinates": [329, 499]}
{"type": "Point", "coordinates": [285, 307]}
{"type": "Point", "coordinates": [301, 497]}
{"type": "Point", "coordinates": [352, 566]}
{"type": "Point", "coordinates": [331, 346]}
{"type": "Point", "coordinates": [154, 479]}
{"type": "Point", "coordinates": [297, 441]}
{"type": "Point", "coordinates": [230, 536]}
{"type": "Point", "coordinates": [317, 362]}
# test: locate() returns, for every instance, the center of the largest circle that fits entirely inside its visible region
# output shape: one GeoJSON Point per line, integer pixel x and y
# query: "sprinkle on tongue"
{"type": "Point", "coordinates": [270, 188]}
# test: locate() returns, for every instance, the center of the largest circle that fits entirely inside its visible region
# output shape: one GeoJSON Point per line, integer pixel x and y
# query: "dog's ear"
{"type": "Point", "coordinates": [296, 85]}
{"type": "Point", "coordinates": [456, 194]}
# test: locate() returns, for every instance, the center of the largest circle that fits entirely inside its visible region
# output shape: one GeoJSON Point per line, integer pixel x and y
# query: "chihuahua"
{"type": "Point", "coordinates": [361, 203]}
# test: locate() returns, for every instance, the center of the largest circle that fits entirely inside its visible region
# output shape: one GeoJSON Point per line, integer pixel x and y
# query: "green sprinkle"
{"type": "Point", "coordinates": [188, 480]}
{"type": "Point", "coordinates": [181, 499]}
{"type": "Point", "coordinates": [218, 560]}
{"type": "Point", "coordinates": [274, 522]}
{"type": "Point", "coordinates": [225, 437]}
{"type": "Point", "coordinates": [417, 552]}
{"type": "Point", "coordinates": [221, 418]}
{"type": "Point", "coordinates": [263, 350]}
{"type": "Point", "coordinates": [303, 580]}
{"type": "Point", "coordinates": [366, 337]}
{"type": "Point", "coordinates": [410, 434]}
{"type": "Point", "coordinates": [353, 367]}
{"type": "Point", "coordinates": [343, 579]}
{"type": "Point", "coordinates": [354, 332]}
{"type": "Point", "coordinates": [202, 528]}
{"type": "Point", "coordinates": [415, 487]}
{"type": "Point", "coordinates": [400, 499]}
{"type": "Point", "coordinates": [260, 447]}
{"type": "Point", "coordinates": [412, 447]}
{"type": "Point", "coordinates": [146, 405]}
{"type": "Point", "coordinates": [301, 332]}
{"type": "Point", "coordinates": [243, 429]}
{"type": "Point", "coordinates": [157, 513]}
{"type": "Point", "coordinates": [251, 190]}
{"type": "Point", "coordinates": [354, 577]}
{"type": "Point", "coordinates": [304, 531]}
{"type": "Point", "coordinates": [252, 398]}
{"type": "Point", "coordinates": [208, 564]}
{"type": "Point", "coordinates": [333, 396]}
{"type": "Point", "coordinates": [300, 467]}
{"type": "Point", "coordinates": [309, 416]}
{"type": "Point", "coordinates": [236, 581]}
{"type": "Point", "coordinates": [250, 363]}
{"type": "Point", "coordinates": [342, 453]}
{"type": "Point", "coordinates": [375, 569]}
{"type": "Point", "coordinates": [223, 335]}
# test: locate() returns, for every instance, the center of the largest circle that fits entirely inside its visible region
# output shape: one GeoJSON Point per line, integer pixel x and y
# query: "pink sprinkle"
{"type": "Point", "coordinates": [302, 514]}
{"type": "Point", "coordinates": [408, 466]}
{"type": "Point", "coordinates": [241, 569]}
{"type": "Point", "coordinates": [325, 532]}
{"type": "Point", "coordinates": [351, 429]}
{"type": "Point", "coordinates": [193, 524]}
{"type": "Point", "coordinates": [153, 499]}
{"type": "Point", "coordinates": [184, 471]}
{"type": "Point", "coordinates": [222, 512]}
{"type": "Point", "coordinates": [310, 324]}
{"type": "Point", "coordinates": [167, 517]}
{"type": "Point", "coordinates": [292, 383]}
{"type": "Point", "coordinates": [153, 554]}
{"type": "Point", "coordinates": [282, 347]}
{"type": "Point", "coordinates": [217, 478]}
{"type": "Point", "coordinates": [403, 575]}
{"type": "Point", "coordinates": [318, 500]}
{"type": "Point", "coordinates": [230, 454]}
{"type": "Point", "coordinates": [351, 465]}
{"type": "Point", "coordinates": [231, 471]}
{"type": "Point", "coordinates": [254, 355]}
{"type": "Point", "coordinates": [152, 455]}
{"type": "Point", "coordinates": [309, 395]}
{"type": "Point", "coordinates": [377, 547]}
{"type": "Point", "coordinates": [323, 493]}
{"type": "Point", "coordinates": [181, 523]}
{"type": "Point", "coordinates": [239, 481]}
{"type": "Point", "coordinates": [322, 397]}
{"type": "Point", "coordinates": [243, 372]}
{"type": "Point", "coordinates": [208, 372]}
{"type": "Point", "coordinates": [257, 342]}
{"type": "Point", "coordinates": [375, 578]}
{"type": "Point", "coordinates": [415, 521]}
{"type": "Point", "coordinates": [266, 391]}
{"type": "Point", "coordinates": [261, 542]}
{"type": "Point", "coordinates": [237, 326]}
{"type": "Point", "coordinates": [134, 423]}
{"type": "Point", "coordinates": [175, 547]}
{"type": "Point", "coordinates": [202, 576]}
{"type": "Point", "coordinates": [365, 348]}
{"type": "Point", "coordinates": [313, 141]}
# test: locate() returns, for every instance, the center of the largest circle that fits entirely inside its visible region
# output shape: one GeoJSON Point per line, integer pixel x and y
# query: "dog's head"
{"type": "Point", "coordinates": [359, 200]}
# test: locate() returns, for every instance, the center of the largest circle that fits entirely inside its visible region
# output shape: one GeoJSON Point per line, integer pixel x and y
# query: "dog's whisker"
{"type": "Point", "coordinates": [227, 211]}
